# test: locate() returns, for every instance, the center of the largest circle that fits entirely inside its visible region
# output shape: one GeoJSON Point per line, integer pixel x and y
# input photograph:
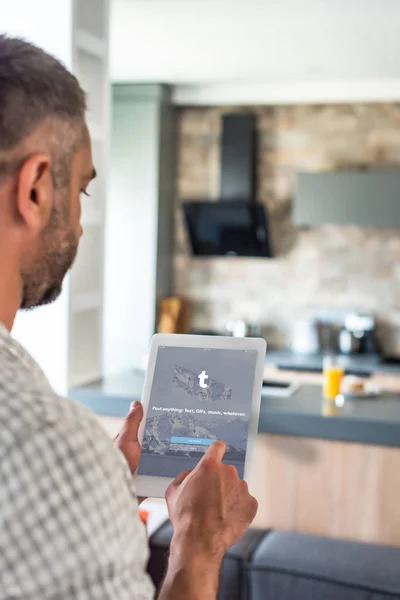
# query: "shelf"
{"type": "Point", "coordinates": [90, 39]}
{"type": "Point", "coordinates": [85, 301]}
{"type": "Point", "coordinates": [87, 271]}
{"type": "Point", "coordinates": [85, 343]}
{"type": "Point", "coordinates": [90, 44]}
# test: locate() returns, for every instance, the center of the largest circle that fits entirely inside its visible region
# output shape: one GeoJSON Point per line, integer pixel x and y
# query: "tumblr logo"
{"type": "Point", "coordinates": [202, 379]}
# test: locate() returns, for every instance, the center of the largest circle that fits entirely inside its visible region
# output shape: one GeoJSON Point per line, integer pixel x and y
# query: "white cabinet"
{"type": "Point", "coordinates": [66, 337]}
{"type": "Point", "coordinates": [86, 290]}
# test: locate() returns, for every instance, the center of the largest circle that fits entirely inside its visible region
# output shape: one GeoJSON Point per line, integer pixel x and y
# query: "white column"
{"type": "Point", "coordinates": [140, 217]}
{"type": "Point", "coordinates": [131, 231]}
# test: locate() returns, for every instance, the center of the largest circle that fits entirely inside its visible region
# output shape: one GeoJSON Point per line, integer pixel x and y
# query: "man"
{"type": "Point", "coordinates": [69, 525]}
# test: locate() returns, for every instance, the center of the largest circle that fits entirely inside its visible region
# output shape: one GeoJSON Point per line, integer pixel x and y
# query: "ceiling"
{"type": "Point", "coordinates": [200, 45]}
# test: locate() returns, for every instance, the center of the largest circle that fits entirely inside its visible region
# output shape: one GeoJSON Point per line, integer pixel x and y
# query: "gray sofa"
{"type": "Point", "coordinates": [274, 565]}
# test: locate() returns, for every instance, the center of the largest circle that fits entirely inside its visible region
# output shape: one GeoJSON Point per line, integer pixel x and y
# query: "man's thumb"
{"type": "Point", "coordinates": [132, 421]}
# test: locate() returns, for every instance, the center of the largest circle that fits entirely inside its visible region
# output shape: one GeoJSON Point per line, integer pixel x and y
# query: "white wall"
{"type": "Point", "coordinates": [43, 22]}
{"type": "Point", "coordinates": [44, 332]}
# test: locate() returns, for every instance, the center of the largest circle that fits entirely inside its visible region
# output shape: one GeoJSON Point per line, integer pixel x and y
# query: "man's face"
{"type": "Point", "coordinates": [58, 246]}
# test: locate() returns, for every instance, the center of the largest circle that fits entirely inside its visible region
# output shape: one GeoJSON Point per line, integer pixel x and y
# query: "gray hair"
{"type": "Point", "coordinates": [36, 90]}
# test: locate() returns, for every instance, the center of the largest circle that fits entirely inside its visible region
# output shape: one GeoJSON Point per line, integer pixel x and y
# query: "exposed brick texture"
{"type": "Point", "coordinates": [328, 267]}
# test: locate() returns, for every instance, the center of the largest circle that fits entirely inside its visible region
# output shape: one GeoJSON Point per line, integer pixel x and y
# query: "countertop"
{"type": "Point", "coordinates": [361, 363]}
{"type": "Point", "coordinates": [304, 414]}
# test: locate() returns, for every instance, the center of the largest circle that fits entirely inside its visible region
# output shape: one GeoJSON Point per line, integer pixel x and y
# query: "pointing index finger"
{"type": "Point", "coordinates": [216, 450]}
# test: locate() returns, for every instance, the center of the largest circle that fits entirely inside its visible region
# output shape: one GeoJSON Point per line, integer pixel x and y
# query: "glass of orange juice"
{"type": "Point", "coordinates": [333, 375]}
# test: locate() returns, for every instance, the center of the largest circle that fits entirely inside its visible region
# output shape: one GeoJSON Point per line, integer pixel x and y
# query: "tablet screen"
{"type": "Point", "coordinates": [198, 395]}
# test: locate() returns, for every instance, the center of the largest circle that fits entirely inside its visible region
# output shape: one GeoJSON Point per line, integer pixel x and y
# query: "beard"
{"type": "Point", "coordinates": [42, 281]}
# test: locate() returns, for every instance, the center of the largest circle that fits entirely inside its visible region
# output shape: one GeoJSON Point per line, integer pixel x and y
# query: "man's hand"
{"type": "Point", "coordinates": [127, 439]}
{"type": "Point", "coordinates": [211, 505]}
{"type": "Point", "coordinates": [210, 509]}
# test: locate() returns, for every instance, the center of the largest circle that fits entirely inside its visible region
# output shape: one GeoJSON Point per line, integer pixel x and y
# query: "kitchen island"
{"type": "Point", "coordinates": [284, 365]}
{"type": "Point", "coordinates": [362, 364]}
{"type": "Point", "coordinates": [319, 468]}
{"type": "Point", "coordinates": [303, 414]}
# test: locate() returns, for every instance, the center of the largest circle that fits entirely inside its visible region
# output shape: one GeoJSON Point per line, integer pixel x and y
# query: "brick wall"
{"type": "Point", "coordinates": [328, 267]}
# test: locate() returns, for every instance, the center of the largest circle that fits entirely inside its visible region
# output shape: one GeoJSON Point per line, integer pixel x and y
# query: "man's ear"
{"type": "Point", "coordinates": [35, 191]}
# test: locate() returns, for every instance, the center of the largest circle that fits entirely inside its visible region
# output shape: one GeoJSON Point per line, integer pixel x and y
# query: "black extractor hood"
{"type": "Point", "coordinates": [235, 225]}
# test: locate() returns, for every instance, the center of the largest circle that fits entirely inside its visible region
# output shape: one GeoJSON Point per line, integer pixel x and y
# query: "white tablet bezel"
{"type": "Point", "coordinates": [154, 486]}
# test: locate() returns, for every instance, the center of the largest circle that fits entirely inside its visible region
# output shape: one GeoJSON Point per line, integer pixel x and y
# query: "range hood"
{"type": "Point", "coordinates": [235, 225]}
{"type": "Point", "coordinates": [364, 198]}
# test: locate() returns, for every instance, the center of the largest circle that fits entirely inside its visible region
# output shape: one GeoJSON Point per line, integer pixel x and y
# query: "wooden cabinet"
{"type": "Point", "coordinates": [328, 488]}
{"type": "Point", "coordinates": [323, 487]}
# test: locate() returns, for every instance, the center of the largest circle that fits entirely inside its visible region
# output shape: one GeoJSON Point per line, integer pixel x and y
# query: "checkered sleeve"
{"type": "Point", "coordinates": [69, 517]}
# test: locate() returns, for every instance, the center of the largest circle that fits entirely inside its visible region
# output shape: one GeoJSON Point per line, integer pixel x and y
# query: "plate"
{"type": "Point", "coordinates": [370, 389]}
{"type": "Point", "coordinates": [361, 395]}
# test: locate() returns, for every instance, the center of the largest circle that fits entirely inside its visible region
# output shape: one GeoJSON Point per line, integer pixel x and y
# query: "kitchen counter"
{"type": "Point", "coordinates": [319, 469]}
{"type": "Point", "coordinates": [304, 414]}
{"type": "Point", "coordinates": [363, 364]}
{"type": "Point", "coordinates": [111, 397]}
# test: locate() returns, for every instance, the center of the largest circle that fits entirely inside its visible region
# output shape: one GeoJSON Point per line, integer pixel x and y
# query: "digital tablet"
{"type": "Point", "coordinates": [198, 389]}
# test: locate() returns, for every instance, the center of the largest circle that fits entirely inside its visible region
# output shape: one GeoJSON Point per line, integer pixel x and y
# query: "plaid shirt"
{"type": "Point", "coordinates": [69, 525]}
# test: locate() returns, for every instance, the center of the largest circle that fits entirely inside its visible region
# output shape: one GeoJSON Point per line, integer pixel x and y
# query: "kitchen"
{"type": "Point", "coordinates": [296, 239]}
{"type": "Point", "coordinates": [319, 271]}
{"type": "Point", "coordinates": [326, 279]}
{"type": "Point", "coordinates": [331, 288]}
{"type": "Point", "coordinates": [328, 288]}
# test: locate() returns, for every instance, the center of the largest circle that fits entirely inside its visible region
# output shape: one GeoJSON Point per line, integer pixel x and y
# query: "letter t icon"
{"type": "Point", "coordinates": [202, 379]}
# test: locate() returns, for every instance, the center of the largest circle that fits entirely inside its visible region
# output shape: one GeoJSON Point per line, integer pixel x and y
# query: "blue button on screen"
{"type": "Point", "coordinates": [191, 441]}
